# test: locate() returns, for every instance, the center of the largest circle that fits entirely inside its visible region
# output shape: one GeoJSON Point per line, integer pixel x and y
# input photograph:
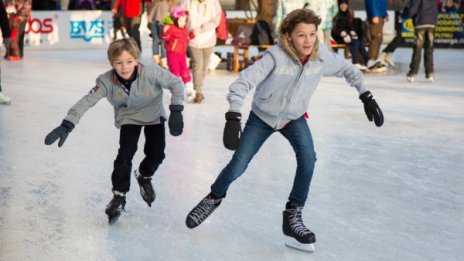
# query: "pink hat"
{"type": "Point", "coordinates": [179, 11]}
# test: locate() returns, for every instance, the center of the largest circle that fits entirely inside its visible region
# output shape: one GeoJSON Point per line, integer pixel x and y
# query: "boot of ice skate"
{"type": "Point", "coordinates": [297, 235]}
{"type": "Point", "coordinates": [203, 210]}
{"type": "Point", "coordinates": [164, 63]}
{"type": "Point", "coordinates": [388, 58]}
{"type": "Point", "coordinates": [115, 206]}
{"type": "Point", "coordinates": [4, 99]}
{"type": "Point", "coordinates": [190, 92]}
{"type": "Point", "coordinates": [146, 188]}
{"type": "Point", "coordinates": [157, 59]}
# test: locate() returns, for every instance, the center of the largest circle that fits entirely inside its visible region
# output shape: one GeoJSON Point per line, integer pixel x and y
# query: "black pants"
{"type": "Point", "coordinates": [424, 39]}
{"type": "Point", "coordinates": [155, 144]}
{"type": "Point", "coordinates": [133, 29]}
{"type": "Point", "coordinates": [395, 43]}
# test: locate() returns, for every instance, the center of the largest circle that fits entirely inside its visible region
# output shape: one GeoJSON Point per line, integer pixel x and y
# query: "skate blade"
{"type": "Point", "coordinates": [290, 242]}
{"type": "Point", "coordinates": [148, 201]}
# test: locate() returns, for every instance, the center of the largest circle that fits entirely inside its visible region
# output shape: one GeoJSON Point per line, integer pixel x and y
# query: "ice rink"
{"type": "Point", "coordinates": [389, 193]}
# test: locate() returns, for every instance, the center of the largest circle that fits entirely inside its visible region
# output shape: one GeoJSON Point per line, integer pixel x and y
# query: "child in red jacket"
{"type": "Point", "coordinates": [176, 37]}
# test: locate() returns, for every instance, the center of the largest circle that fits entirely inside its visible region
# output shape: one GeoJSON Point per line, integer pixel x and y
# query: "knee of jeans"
{"type": "Point", "coordinates": [307, 155]}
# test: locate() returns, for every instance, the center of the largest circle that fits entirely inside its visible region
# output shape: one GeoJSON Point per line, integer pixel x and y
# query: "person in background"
{"type": "Point", "coordinates": [283, 82]}
{"type": "Point", "coordinates": [158, 11]}
{"type": "Point", "coordinates": [205, 16]}
{"type": "Point", "coordinates": [376, 11]}
{"type": "Point", "coordinates": [135, 91]}
{"type": "Point", "coordinates": [24, 11]}
{"type": "Point", "coordinates": [222, 32]}
{"type": "Point", "coordinates": [118, 24]}
{"type": "Point", "coordinates": [284, 7]}
{"type": "Point", "coordinates": [326, 9]}
{"type": "Point", "coordinates": [387, 53]}
{"type": "Point", "coordinates": [344, 32]}
{"type": "Point", "coordinates": [132, 10]}
{"type": "Point", "coordinates": [45, 5]}
{"type": "Point", "coordinates": [176, 37]}
{"type": "Point", "coordinates": [5, 27]}
{"type": "Point", "coordinates": [424, 14]}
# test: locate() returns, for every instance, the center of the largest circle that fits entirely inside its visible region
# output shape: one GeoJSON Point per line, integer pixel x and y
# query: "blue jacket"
{"type": "Point", "coordinates": [376, 8]}
{"type": "Point", "coordinates": [284, 86]}
{"type": "Point", "coordinates": [423, 12]}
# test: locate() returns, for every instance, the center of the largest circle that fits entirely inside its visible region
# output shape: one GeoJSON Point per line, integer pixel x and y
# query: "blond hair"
{"type": "Point", "coordinates": [289, 23]}
{"type": "Point", "coordinates": [118, 46]}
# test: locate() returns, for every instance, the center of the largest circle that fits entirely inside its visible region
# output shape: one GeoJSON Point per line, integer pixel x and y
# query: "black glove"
{"type": "Point", "coordinates": [61, 132]}
{"type": "Point", "coordinates": [371, 108]}
{"type": "Point", "coordinates": [232, 130]}
{"type": "Point", "coordinates": [176, 122]}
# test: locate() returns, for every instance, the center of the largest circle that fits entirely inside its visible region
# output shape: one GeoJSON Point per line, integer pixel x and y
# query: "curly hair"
{"type": "Point", "coordinates": [289, 23]}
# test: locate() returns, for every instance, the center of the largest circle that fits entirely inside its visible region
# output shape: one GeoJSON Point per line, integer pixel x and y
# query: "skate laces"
{"type": "Point", "coordinates": [119, 201]}
{"type": "Point", "coordinates": [296, 222]}
{"type": "Point", "coordinates": [204, 209]}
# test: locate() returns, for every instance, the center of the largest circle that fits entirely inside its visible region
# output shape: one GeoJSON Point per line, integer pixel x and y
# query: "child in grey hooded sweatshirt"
{"type": "Point", "coordinates": [136, 93]}
{"type": "Point", "coordinates": [285, 78]}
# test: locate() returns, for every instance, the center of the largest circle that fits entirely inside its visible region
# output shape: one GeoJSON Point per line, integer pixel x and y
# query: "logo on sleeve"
{"type": "Point", "coordinates": [94, 89]}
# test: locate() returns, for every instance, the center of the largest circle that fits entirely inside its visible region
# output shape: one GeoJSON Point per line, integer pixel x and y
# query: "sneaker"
{"type": "Point", "coordinates": [146, 188]}
{"type": "Point", "coordinates": [388, 58]}
{"type": "Point", "coordinates": [13, 58]}
{"type": "Point", "coordinates": [203, 210]}
{"type": "Point", "coordinates": [115, 206]}
{"type": "Point", "coordinates": [376, 66]}
{"type": "Point", "coordinates": [4, 99]}
{"type": "Point", "coordinates": [361, 67]}
{"type": "Point", "coordinates": [298, 235]}
{"type": "Point", "coordinates": [429, 77]}
{"type": "Point", "coordinates": [411, 77]}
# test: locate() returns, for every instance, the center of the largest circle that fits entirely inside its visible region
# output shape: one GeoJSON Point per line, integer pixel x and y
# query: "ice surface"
{"type": "Point", "coordinates": [390, 193]}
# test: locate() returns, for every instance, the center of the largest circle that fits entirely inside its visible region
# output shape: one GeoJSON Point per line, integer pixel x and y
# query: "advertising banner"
{"type": "Point", "coordinates": [449, 30]}
{"type": "Point", "coordinates": [73, 30]}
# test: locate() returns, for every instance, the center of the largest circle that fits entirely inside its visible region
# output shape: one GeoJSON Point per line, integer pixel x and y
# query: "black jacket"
{"type": "Point", "coordinates": [341, 23]}
{"type": "Point", "coordinates": [423, 12]}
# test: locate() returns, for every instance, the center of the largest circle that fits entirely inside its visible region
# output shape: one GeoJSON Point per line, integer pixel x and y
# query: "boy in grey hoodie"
{"type": "Point", "coordinates": [285, 79]}
{"type": "Point", "coordinates": [136, 93]}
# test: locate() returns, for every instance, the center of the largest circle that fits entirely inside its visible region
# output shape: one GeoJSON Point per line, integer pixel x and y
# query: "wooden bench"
{"type": "Point", "coordinates": [241, 52]}
{"type": "Point", "coordinates": [241, 57]}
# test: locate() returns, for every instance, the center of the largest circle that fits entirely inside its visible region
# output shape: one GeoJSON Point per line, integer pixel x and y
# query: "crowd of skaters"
{"type": "Point", "coordinates": [203, 17]}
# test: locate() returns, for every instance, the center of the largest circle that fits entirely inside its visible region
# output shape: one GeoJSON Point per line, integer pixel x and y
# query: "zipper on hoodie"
{"type": "Point", "coordinates": [290, 95]}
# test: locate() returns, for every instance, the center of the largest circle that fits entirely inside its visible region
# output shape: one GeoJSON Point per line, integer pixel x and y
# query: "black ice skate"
{"type": "Point", "coordinates": [201, 211]}
{"type": "Point", "coordinates": [115, 207]}
{"type": "Point", "coordinates": [298, 236]}
{"type": "Point", "coordinates": [146, 188]}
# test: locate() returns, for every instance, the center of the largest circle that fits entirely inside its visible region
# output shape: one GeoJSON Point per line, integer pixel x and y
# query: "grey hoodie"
{"type": "Point", "coordinates": [284, 86]}
{"type": "Point", "coordinates": [144, 103]}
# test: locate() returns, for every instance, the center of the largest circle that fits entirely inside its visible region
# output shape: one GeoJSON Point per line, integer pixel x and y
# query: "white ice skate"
{"type": "Point", "coordinates": [6, 100]}
{"type": "Point", "coordinates": [190, 92]}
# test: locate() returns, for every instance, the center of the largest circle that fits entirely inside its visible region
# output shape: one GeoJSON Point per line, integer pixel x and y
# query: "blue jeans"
{"type": "Point", "coordinates": [357, 46]}
{"type": "Point", "coordinates": [158, 42]}
{"type": "Point", "coordinates": [254, 135]}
